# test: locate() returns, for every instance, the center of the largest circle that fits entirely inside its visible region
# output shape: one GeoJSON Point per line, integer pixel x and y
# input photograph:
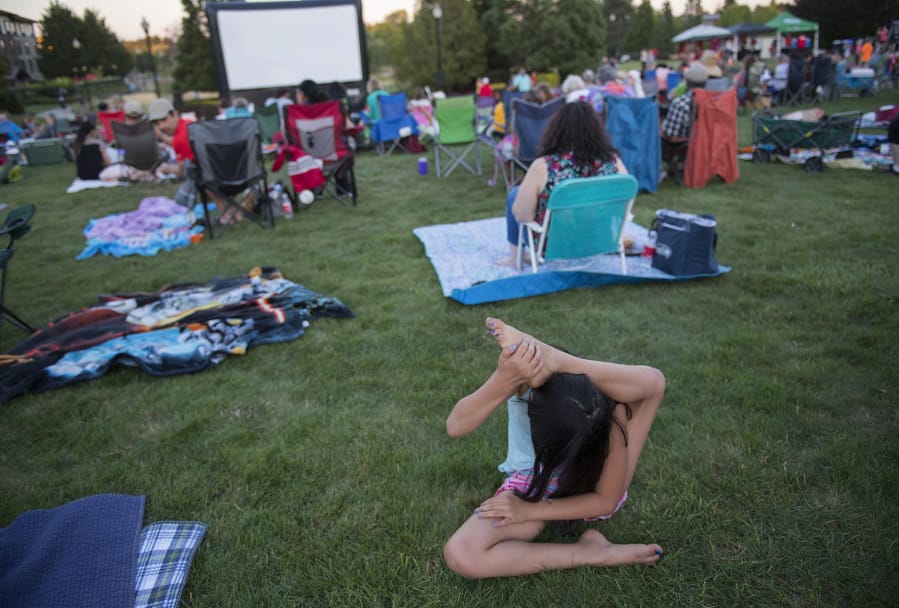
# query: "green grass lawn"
{"type": "Point", "coordinates": [322, 465]}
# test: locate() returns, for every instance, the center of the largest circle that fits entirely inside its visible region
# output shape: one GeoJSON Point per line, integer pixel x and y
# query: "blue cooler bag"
{"type": "Point", "coordinates": [685, 243]}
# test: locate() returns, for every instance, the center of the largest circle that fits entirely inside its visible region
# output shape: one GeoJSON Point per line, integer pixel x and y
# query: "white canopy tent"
{"type": "Point", "coordinates": [702, 32]}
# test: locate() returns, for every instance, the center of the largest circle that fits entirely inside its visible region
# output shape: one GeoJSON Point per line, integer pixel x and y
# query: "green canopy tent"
{"type": "Point", "coordinates": [785, 23]}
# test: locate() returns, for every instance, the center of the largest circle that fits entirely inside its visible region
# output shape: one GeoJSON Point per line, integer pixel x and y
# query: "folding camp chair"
{"type": "Point", "coordinates": [105, 119]}
{"type": "Point", "coordinates": [269, 121]}
{"type": "Point", "coordinates": [713, 139]}
{"type": "Point", "coordinates": [458, 123]}
{"type": "Point", "coordinates": [529, 121]}
{"type": "Point", "coordinates": [633, 126]}
{"type": "Point", "coordinates": [228, 156]}
{"type": "Point", "coordinates": [584, 217]}
{"type": "Point", "coordinates": [139, 143]}
{"type": "Point", "coordinates": [16, 226]}
{"type": "Point", "coordinates": [394, 125]}
{"type": "Point", "coordinates": [319, 129]}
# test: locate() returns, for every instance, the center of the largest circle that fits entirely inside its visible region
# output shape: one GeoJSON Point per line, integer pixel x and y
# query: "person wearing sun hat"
{"type": "Point", "coordinates": [134, 112]}
{"type": "Point", "coordinates": [709, 61]}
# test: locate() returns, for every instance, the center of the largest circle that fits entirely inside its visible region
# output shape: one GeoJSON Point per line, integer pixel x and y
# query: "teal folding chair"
{"type": "Point", "coordinates": [456, 117]}
{"type": "Point", "coordinates": [269, 121]}
{"type": "Point", "coordinates": [584, 217]}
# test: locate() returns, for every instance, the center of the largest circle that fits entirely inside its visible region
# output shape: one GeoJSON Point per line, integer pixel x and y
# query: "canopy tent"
{"type": "Point", "coordinates": [786, 23]}
{"type": "Point", "coordinates": [749, 29]}
{"type": "Point", "coordinates": [702, 32]}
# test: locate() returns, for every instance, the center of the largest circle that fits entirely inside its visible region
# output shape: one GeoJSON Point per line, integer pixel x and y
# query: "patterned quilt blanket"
{"type": "Point", "coordinates": [179, 329]}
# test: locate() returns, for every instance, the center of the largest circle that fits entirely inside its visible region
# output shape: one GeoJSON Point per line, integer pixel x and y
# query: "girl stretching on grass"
{"type": "Point", "coordinates": [588, 422]}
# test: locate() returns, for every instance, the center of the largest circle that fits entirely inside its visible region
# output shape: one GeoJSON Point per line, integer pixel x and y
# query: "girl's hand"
{"type": "Point", "coordinates": [521, 362]}
{"type": "Point", "coordinates": [505, 509]}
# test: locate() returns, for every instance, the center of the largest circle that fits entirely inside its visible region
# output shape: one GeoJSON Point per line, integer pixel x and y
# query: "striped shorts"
{"type": "Point", "coordinates": [520, 480]}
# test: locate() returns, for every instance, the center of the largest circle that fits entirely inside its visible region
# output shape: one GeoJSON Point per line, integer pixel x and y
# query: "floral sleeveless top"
{"type": "Point", "coordinates": [560, 167]}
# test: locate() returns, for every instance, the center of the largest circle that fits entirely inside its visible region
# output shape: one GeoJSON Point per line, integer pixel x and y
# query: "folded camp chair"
{"type": "Point", "coordinates": [458, 123]}
{"type": "Point", "coordinates": [105, 119]}
{"type": "Point", "coordinates": [319, 129]}
{"type": "Point", "coordinates": [228, 162]}
{"type": "Point", "coordinates": [713, 139]}
{"type": "Point", "coordinates": [269, 121]}
{"type": "Point", "coordinates": [529, 121]}
{"type": "Point", "coordinates": [633, 126]}
{"type": "Point", "coordinates": [16, 225]}
{"type": "Point", "coordinates": [139, 143]}
{"type": "Point", "coordinates": [395, 124]}
{"type": "Point", "coordinates": [584, 217]}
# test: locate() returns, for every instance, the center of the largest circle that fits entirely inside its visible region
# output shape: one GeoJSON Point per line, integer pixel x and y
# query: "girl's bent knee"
{"type": "Point", "coordinates": [458, 559]}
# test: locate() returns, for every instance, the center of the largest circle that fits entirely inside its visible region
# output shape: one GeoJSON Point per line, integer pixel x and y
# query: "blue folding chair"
{"type": "Point", "coordinates": [529, 121]}
{"type": "Point", "coordinates": [395, 124]}
{"type": "Point", "coordinates": [633, 126]}
{"type": "Point", "coordinates": [584, 217]}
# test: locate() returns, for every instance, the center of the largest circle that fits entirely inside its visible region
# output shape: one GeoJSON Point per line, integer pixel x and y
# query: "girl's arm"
{"type": "Point", "coordinates": [517, 363]}
{"type": "Point", "coordinates": [525, 206]}
{"type": "Point", "coordinates": [629, 384]}
{"type": "Point", "coordinates": [507, 508]}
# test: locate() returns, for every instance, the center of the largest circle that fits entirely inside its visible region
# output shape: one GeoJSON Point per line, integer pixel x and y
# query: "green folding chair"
{"type": "Point", "coordinates": [269, 121]}
{"type": "Point", "coordinates": [456, 118]}
{"type": "Point", "coordinates": [584, 217]}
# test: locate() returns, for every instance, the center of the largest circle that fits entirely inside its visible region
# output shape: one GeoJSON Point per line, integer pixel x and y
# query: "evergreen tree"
{"type": "Point", "coordinates": [734, 14]}
{"type": "Point", "coordinates": [194, 67]}
{"type": "Point", "coordinates": [572, 36]}
{"type": "Point", "coordinates": [617, 15]}
{"type": "Point", "coordinates": [641, 33]}
{"type": "Point", "coordinates": [59, 28]}
{"type": "Point", "coordinates": [693, 13]}
{"type": "Point", "coordinates": [462, 44]}
{"type": "Point", "coordinates": [665, 31]}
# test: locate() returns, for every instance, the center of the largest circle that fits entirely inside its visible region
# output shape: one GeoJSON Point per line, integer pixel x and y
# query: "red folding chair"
{"type": "Point", "coordinates": [319, 129]}
{"type": "Point", "coordinates": [105, 119]}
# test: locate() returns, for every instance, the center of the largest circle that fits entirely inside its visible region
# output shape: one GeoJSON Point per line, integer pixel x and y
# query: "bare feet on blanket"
{"type": "Point", "coordinates": [599, 551]}
{"type": "Point", "coordinates": [506, 335]}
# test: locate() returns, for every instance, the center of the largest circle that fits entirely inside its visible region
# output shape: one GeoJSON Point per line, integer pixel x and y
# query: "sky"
{"type": "Point", "coordinates": [123, 17]}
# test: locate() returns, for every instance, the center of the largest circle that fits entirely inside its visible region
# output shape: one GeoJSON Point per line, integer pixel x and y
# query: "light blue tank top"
{"type": "Point", "coordinates": [520, 449]}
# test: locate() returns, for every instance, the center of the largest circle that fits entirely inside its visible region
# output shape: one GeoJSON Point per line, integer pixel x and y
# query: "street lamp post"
{"type": "Point", "coordinates": [76, 44]}
{"type": "Point", "coordinates": [438, 15]}
{"type": "Point", "coordinates": [146, 27]}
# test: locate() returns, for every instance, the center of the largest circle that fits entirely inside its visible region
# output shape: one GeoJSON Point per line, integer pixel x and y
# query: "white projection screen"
{"type": "Point", "coordinates": [267, 45]}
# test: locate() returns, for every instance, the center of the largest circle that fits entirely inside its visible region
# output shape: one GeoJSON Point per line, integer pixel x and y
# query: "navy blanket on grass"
{"type": "Point", "coordinates": [83, 553]}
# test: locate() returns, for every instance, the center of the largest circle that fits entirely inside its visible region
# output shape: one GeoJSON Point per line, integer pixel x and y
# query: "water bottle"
{"type": "Point", "coordinates": [649, 247]}
{"type": "Point", "coordinates": [279, 195]}
{"type": "Point", "coordinates": [422, 165]}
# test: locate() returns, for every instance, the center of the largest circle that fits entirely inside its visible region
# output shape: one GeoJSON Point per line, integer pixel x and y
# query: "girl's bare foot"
{"type": "Point", "coordinates": [506, 335]}
{"type": "Point", "coordinates": [599, 551]}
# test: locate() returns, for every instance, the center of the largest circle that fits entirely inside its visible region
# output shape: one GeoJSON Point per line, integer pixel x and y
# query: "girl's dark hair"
{"type": "Point", "coordinates": [576, 128]}
{"type": "Point", "coordinates": [571, 423]}
{"type": "Point", "coordinates": [83, 131]}
{"type": "Point", "coordinates": [311, 92]}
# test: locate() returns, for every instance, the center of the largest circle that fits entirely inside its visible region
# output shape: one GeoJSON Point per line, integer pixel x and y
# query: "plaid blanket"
{"type": "Point", "coordinates": [163, 562]}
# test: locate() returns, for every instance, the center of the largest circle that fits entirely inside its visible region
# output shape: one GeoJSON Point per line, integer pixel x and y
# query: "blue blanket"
{"type": "Point", "coordinates": [83, 553]}
{"type": "Point", "coordinates": [464, 256]}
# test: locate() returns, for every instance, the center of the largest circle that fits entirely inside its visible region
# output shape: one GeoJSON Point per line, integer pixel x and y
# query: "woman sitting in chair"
{"type": "Point", "coordinates": [574, 145]}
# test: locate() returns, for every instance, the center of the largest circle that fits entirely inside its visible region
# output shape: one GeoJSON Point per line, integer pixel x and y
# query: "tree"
{"type": "Point", "coordinates": [463, 46]}
{"type": "Point", "coordinates": [641, 33]}
{"type": "Point", "coordinates": [838, 19]}
{"type": "Point", "coordinates": [617, 15]}
{"type": "Point", "coordinates": [99, 50]}
{"type": "Point", "coordinates": [385, 41]}
{"type": "Point", "coordinates": [194, 67]}
{"type": "Point", "coordinates": [665, 31]}
{"type": "Point", "coordinates": [9, 102]}
{"type": "Point", "coordinates": [734, 14]}
{"type": "Point", "coordinates": [571, 38]}
{"type": "Point", "coordinates": [693, 13]}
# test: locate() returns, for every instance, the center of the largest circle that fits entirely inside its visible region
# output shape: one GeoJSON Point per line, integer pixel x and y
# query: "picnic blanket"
{"type": "Point", "coordinates": [464, 256]}
{"type": "Point", "coordinates": [179, 329]}
{"type": "Point", "coordinates": [158, 224]}
{"type": "Point", "coordinates": [89, 184]}
{"type": "Point", "coordinates": [92, 553]}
